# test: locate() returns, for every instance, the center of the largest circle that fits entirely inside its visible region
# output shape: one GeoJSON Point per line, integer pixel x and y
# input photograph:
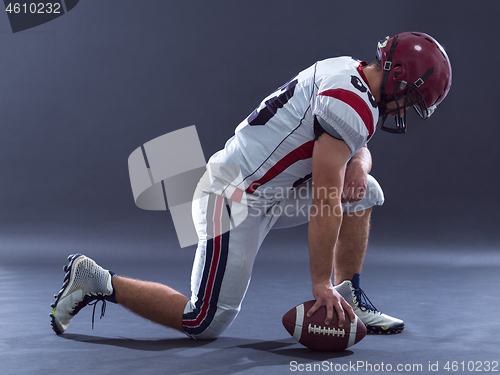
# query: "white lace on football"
{"type": "Point", "coordinates": [325, 330]}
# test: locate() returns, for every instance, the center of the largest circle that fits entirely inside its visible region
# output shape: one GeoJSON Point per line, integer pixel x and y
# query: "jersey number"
{"type": "Point", "coordinates": [356, 82]}
{"type": "Point", "coordinates": [279, 99]}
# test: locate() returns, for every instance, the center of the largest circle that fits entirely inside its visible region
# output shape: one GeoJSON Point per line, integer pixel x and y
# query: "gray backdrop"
{"type": "Point", "coordinates": [80, 93]}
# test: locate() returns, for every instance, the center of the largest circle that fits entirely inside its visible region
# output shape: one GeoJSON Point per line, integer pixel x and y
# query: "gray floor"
{"type": "Point", "coordinates": [448, 298]}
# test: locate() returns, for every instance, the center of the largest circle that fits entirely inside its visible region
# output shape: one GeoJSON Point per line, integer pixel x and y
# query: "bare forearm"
{"type": "Point", "coordinates": [363, 159]}
{"type": "Point", "coordinates": [329, 160]}
{"type": "Point", "coordinates": [322, 235]}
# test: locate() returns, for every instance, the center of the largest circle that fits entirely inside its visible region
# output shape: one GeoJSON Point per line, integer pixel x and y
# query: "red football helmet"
{"type": "Point", "coordinates": [425, 79]}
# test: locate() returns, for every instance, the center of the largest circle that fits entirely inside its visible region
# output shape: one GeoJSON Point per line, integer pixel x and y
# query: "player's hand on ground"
{"type": "Point", "coordinates": [355, 183]}
{"type": "Point", "coordinates": [326, 295]}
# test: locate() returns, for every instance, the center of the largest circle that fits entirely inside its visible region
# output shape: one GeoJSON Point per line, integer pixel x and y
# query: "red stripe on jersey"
{"type": "Point", "coordinates": [356, 103]}
{"type": "Point", "coordinates": [302, 152]}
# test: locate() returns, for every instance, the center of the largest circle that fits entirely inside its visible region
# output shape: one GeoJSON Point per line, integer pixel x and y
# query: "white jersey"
{"type": "Point", "coordinates": [271, 150]}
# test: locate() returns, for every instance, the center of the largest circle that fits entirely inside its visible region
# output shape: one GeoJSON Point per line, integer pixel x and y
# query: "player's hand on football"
{"type": "Point", "coordinates": [326, 295]}
{"type": "Point", "coordinates": [355, 183]}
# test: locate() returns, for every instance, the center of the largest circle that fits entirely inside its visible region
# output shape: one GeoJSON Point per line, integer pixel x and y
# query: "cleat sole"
{"type": "Point", "coordinates": [398, 328]}
{"type": "Point", "coordinates": [67, 268]}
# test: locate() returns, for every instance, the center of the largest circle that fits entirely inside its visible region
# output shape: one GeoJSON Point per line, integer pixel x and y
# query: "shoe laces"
{"type": "Point", "coordinates": [91, 300]}
{"type": "Point", "coordinates": [364, 302]}
{"type": "Point", "coordinates": [103, 308]}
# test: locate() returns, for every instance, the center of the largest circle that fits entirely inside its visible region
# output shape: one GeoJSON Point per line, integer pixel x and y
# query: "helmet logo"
{"type": "Point", "coordinates": [383, 42]}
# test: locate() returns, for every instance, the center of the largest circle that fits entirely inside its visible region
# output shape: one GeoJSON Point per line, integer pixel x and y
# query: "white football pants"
{"type": "Point", "coordinates": [230, 235]}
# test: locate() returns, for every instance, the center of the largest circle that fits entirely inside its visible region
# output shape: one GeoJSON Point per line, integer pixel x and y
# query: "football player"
{"type": "Point", "coordinates": [300, 156]}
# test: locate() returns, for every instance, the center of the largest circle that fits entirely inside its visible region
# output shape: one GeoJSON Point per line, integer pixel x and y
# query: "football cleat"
{"type": "Point", "coordinates": [85, 283]}
{"type": "Point", "coordinates": [374, 320]}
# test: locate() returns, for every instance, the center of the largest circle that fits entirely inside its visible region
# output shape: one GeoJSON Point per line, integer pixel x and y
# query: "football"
{"type": "Point", "coordinates": [314, 334]}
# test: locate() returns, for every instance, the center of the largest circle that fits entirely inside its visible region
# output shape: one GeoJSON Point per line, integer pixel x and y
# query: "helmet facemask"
{"type": "Point", "coordinates": [412, 98]}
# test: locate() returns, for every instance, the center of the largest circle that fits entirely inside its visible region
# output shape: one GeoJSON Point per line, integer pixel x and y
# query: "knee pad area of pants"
{"type": "Point", "coordinates": [374, 196]}
{"type": "Point", "coordinates": [223, 318]}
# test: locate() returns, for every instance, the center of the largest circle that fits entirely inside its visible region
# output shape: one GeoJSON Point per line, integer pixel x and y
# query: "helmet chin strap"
{"type": "Point", "coordinates": [384, 99]}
